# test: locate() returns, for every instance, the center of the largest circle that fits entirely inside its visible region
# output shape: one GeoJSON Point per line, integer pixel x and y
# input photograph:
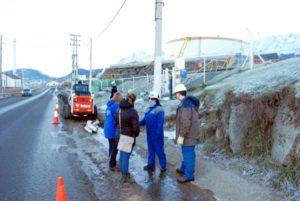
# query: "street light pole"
{"type": "Point", "coordinates": [158, 42]}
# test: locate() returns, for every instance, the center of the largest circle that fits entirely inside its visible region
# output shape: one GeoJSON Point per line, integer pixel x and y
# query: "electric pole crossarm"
{"type": "Point", "coordinates": [75, 44]}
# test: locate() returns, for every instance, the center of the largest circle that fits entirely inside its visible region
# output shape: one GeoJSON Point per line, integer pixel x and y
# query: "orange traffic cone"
{"type": "Point", "coordinates": [56, 107]}
{"type": "Point", "coordinates": [61, 193]}
{"type": "Point", "coordinates": [55, 121]}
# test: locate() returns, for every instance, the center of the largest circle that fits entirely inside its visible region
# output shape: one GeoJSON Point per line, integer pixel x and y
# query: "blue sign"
{"type": "Point", "coordinates": [238, 55]}
{"type": "Point", "coordinates": [183, 74]}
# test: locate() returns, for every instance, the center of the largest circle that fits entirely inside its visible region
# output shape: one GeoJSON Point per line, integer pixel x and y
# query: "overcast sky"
{"type": "Point", "coordinates": [42, 28]}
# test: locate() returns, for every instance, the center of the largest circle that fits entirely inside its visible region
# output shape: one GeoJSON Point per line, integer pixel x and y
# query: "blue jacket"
{"type": "Point", "coordinates": [109, 124]}
{"type": "Point", "coordinates": [154, 120]}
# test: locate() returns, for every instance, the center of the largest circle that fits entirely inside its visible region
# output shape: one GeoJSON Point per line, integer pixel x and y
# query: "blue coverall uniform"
{"type": "Point", "coordinates": [154, 120]}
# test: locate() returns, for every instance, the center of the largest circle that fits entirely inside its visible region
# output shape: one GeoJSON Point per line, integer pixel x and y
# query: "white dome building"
{"type": "Point", "coordinates": [191, 47]}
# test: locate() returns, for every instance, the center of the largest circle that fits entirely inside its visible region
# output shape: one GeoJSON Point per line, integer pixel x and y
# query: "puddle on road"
{"type": "Point", "coordinates": [92, 152]}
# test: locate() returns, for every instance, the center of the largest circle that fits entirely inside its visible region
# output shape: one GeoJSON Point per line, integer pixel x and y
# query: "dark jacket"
{"type": "Point", "coordinates": [129, 120]}
{"type": "Point", "coordinates": [113, 91]}
{"type": "Point", "coordinates": [187, 124]}
{"type": "Point", "coordinates": [109, 124]}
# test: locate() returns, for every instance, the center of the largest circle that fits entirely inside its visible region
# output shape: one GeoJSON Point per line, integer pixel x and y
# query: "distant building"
{"type": "Point", "coordinates": [53, 84]}
{"type": "Point", "coordinates": [82, 77]}
{"type": "Point", "coordinates": [11, 81]}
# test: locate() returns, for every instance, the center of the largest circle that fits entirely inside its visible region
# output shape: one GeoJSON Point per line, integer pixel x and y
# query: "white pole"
{"type": "Point", "coordinates": [158, 42]}
{"type": "Point", "coordinates": [90, 81]}
{"type": "Point", "coordinates": [167, 80]}
{"type": "Point", "coordinates": [251, 49]}
{"type": "Point", "coordinates": [173, 79]}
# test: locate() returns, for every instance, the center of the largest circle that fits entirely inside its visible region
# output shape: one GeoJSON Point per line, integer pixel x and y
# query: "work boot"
{"type": "Point", "coordinates": [116, 168]}
{"type": "Point", "coordinates": [163, 169]}
{"type": "Point", "coordinates": [126, 178]}
{"type": "Point", "coordinates": [149, 168]}
{"type": "Point", "coordinates": [183, 180]}
{"type": "Point", "coordinates": [179, 172]}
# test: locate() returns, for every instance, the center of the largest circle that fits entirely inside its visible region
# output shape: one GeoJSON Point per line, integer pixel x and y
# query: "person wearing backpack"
{"type": "Point", "coordinates": [187, 132]}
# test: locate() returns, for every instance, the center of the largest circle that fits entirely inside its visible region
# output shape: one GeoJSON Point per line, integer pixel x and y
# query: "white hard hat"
{"type": "Point", "coordinates": [179, 87]}
{"type": "Point", "coordinates": [113, 82]}
{"type": "Point", "coordinates": [153, 94]}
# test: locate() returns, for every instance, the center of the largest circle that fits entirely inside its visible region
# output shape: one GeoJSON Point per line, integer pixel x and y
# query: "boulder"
{"type": "Point", "coordinates": [286, 136]}
{"type": "Point", "coordinates": [237, 127]}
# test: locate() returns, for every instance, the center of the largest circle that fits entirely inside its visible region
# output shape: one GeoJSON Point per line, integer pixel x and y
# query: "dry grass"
{"type": "Point", "coordinates": [14, 90]}
{"type": "Point", "coordinates": [257, 142]}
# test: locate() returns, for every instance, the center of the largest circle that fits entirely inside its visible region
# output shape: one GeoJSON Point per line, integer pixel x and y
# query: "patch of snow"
{"type": "Point", "coordinates": [257, 81]}
{"type": "Point", "coordinates": [103, 107]}
{"type": "Point", "coordinates": [170, 134]}
{"type": "Point", "coordinates": [297, 89]}
{"type": "Point", "coordinates": [253, 172]}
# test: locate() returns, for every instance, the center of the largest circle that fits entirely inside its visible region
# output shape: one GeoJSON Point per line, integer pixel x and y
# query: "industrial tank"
{"type": "Point", "coordinates": [191, 47]}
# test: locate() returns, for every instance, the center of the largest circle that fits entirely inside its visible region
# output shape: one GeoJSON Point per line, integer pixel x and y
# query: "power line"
{"type": "Point", "coordinates": [107, 26]}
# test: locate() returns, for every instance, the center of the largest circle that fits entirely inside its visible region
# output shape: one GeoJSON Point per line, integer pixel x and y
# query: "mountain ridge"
{"type": "Point", "coordinates": [36, 75]}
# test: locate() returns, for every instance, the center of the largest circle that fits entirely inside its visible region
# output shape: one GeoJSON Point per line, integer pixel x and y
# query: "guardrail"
{"type": "Point", "coordinates": [6, 95]}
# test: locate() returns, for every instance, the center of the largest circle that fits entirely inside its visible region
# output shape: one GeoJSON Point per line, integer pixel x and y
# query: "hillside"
{"type": "Point", "coordinates": [35, 75]}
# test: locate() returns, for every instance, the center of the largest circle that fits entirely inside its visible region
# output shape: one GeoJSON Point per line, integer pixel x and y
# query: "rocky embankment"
{"type": "Point", "coordinates": [255, 112]}
{"type": "Point", "coordinates": [249, 112]}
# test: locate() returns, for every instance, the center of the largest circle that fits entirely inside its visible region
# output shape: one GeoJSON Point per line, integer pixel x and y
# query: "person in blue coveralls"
{"type": "Point", "coordinates": [154, 121]}
{"type": "Point", "coordinates": [110, 129]}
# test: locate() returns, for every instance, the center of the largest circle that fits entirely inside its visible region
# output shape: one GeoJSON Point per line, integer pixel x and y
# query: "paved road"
{"type": "Point", "coordinates": [34, 153]}
{"type": "Point", "coordinates": [30, 162]}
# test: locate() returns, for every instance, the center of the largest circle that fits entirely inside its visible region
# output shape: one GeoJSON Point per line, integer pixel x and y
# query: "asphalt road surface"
{"type": "Point", "coordinates": [34, 152]}
{"type": "Point", "coordinates": [30, 164]}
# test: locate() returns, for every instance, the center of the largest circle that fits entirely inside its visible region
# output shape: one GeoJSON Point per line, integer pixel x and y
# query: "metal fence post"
{"type": "Point", "coordinates": [132, 83]}
{"type": "Point", "coordinates": [147, 82]}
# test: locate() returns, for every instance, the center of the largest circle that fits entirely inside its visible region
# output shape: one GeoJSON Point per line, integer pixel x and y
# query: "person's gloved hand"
{"type": "Point", "coordinates": [180, 140]}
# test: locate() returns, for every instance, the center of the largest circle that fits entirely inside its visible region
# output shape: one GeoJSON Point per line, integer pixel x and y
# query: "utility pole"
{"type": "Point", "coordinates": [75, 43]}
{"type": "Point", "coordinates": [158, 41]}
{"type": "Point", "coordinates": [1, 90]}
{"type": "Point", "coordinates": [90, 83]}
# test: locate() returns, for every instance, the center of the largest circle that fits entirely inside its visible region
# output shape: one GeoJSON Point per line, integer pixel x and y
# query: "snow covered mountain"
{"type": "Point", "coordinates": [289, 43]}
{"type": "Point", "coordinates": [137, 57]}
